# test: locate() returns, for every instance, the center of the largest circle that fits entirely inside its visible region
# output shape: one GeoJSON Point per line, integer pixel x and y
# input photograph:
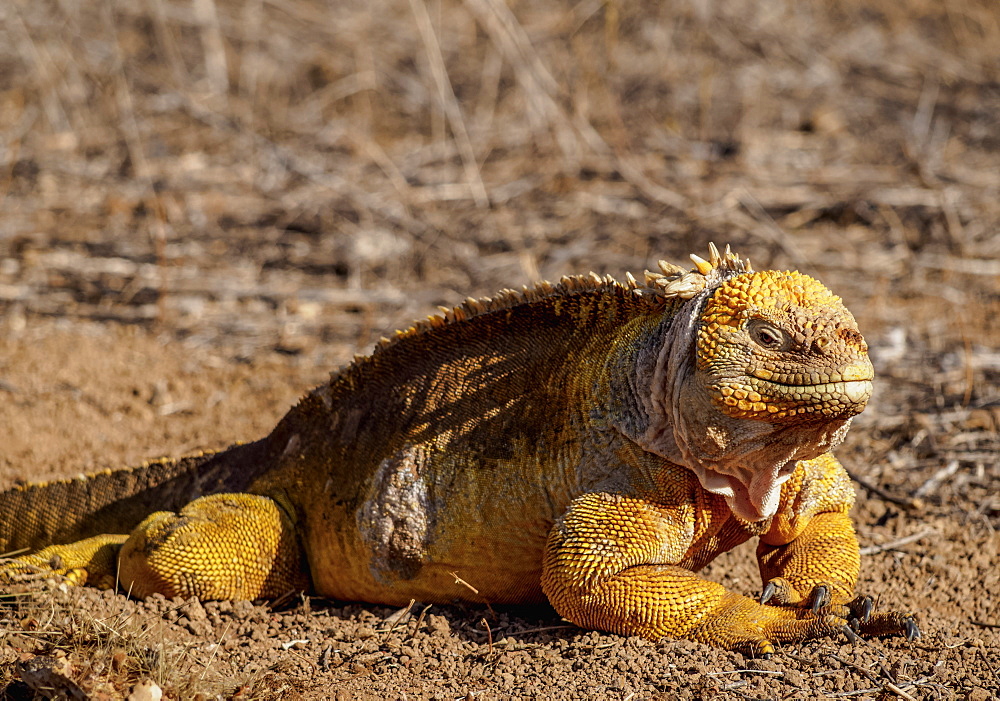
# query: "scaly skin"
{"type": "Point", "coordinates": [591, 443]}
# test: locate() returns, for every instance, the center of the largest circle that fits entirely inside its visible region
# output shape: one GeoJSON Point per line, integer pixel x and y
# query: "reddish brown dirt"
{"type": "Point", "coordinates": [209, 206]}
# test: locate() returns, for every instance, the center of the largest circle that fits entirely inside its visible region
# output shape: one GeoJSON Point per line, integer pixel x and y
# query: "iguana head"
{"type": "Point", "coordinates": [780, 347]}
{"type": "Point", "coordinates": [766, 369]}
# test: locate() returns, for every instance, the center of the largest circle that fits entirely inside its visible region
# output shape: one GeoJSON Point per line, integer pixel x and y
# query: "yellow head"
{"type": "Point", "coordinates": [779, 347]}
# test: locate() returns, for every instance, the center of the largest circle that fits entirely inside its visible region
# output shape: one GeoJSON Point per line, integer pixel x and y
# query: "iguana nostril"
{"type": "Point", "coordinates": [851, 337]}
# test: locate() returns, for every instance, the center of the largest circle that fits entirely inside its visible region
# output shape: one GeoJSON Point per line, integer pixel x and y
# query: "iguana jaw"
{"type": "Point", "coordinates": [748, 469]}
{"type": "Point", "coordinates": [745, 460]}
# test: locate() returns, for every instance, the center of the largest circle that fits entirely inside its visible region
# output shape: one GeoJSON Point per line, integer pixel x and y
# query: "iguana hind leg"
{"type": "Point", "coordinates": [223, 546]}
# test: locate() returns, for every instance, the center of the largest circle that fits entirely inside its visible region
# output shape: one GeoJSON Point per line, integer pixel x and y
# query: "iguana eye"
{"type": "Point", "coordinates": [766, 336]}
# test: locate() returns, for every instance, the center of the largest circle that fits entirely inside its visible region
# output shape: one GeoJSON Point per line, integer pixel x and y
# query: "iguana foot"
{"type": "Point", "coordinates": [758, 637]}
{"type": "Point", "coordinates": [740, 623]}
{"type": "Point", "coordinates": [858, 614]}
{"type": "Point", "coordinates": [889, 623]}
{"type": "Point", "coordinates": [91, 561]}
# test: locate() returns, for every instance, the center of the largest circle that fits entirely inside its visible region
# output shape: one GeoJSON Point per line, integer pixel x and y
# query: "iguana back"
{"type": "Point", "coordinates": [465, 435]}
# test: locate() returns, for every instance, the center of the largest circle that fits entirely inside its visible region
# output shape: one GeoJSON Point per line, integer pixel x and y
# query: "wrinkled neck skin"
{"type": "Point", "coordinates": [745, 461]}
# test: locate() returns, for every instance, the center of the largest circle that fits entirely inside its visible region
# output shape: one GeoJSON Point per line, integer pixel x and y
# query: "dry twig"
{"type": "Point", "coordinates": [489, 635]}
{"type": "Point", "coordinates": [906, 502]}
{"type": "Point", "coordinates": [937, 478]}
{"type": "Point", "coordinates": [449, 103]}
{"type": "Point", "coordinates": [892, 545]}
{"type": "Point", "coordinates": [459, 580]}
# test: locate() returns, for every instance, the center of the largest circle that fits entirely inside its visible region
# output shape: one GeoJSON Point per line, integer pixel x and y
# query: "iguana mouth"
{"type": "Point", "coordinates": [757, 398]}
{"type": "Point", "coordinates": [852, 383]}
{"type": "Point", "coordinates": [752, 497]}
{"type": "Point", "coordinates": [852, 373]}
{"type": "Point", "coordinates": [854, 390]}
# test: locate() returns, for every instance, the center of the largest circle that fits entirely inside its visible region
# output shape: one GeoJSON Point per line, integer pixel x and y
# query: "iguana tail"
{"type": "Point", "coordinates": [33, 516]}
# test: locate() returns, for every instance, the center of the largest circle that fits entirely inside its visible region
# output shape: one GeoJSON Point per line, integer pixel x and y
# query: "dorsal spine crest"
{"type": "Point", "coordinates": [671, 282]}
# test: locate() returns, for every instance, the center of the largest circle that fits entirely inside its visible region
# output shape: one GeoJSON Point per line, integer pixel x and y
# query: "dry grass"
{"type": "Point", "coordinates": [59, 644]}
{"type": "Point", "coordinates": [176, 117]}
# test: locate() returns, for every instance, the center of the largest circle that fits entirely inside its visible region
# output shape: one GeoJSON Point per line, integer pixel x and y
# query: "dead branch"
{"type": "Point", "coordinates": [892, 545]}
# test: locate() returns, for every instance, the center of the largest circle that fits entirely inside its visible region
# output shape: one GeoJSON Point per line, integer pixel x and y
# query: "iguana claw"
{"type": "Point", "coordinates": [859, 611]}
{"type": "Point", "coordinates": [820, 597]}
{"type": "Point", "coordinates": [849, 633]}
{"type": "Point", "coordinates": [861, 608]}
{"type": "Point", "coordinates": [781, 592]}
{"type": "Point", "coordinates": [768, 592]}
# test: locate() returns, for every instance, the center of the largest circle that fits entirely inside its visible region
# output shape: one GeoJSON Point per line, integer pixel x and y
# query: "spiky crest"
{"type": "Point", "coordinates": [675, 281]}
{"type": "Point", "coordinates": [672, 282]}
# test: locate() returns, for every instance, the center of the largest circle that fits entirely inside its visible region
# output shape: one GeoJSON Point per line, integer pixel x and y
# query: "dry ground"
{"type": "Point", "coordinates": [208, 205]}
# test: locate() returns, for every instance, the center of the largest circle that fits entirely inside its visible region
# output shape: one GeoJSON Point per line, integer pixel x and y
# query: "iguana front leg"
{"type": "Point", "coordinates": [610, 564]}
{"type": "Point", "coordinates": [223, 546]}
{"type": "Point", "coordinates": [818, 570]}
{"type": "Point", "coordinates": [810, 556]}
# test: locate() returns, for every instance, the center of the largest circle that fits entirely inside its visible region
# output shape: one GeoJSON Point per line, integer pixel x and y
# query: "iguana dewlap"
{"type": "Point", "coordinates": [592, 443]}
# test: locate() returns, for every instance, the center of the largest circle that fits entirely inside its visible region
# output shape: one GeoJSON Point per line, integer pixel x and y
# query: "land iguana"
{"type": "Point", "coordinates": [591, 443]}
